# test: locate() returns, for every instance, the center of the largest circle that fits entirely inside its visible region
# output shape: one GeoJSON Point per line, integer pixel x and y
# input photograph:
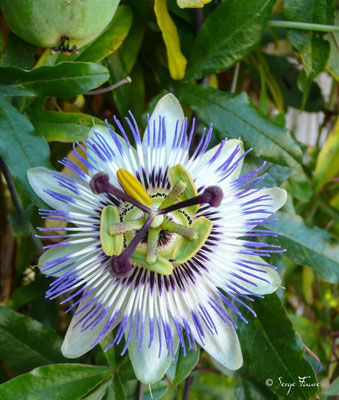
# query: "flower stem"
{"type": "Point", "coordinates": [187, 388]}
{"type": "Point", "coordinates": [141, 391]}
{"type": "Point", "coordinates": [303, 26]}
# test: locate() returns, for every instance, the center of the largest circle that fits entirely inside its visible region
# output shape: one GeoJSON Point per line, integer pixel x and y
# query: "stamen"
{"type": "Point", "coordinates": [100, 184]}
{"type": "Point", "coordinates": [173, 195]}
{"type": "Point", "coordinates": [178, 174]}
{"type": "Point", "coordinates": [121, 265]}
{"type": "Point", "coordinates": [212, 195]}
{"type": "Point", "coordinates": [152, 245]}
{"type": "Point", "coordinates": [111, 246]}
{"type": "Point", "coordinates": [186, 249]}
{"type": "Point", "coordinates": [133, 187]}
{"type": "Point", "coordinates": [124, 227]}
{"type": "Point", "coordinates": [181, 230]}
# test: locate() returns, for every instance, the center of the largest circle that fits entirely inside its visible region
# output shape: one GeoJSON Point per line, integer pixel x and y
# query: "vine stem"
{"type": "Point", "coordinates": [188, 383]}
{"type": "Point", "coordinates": [141, 391]}
{"type": "Point", "coordinates": [109, 88]}
{"type": "Point", "coordinates": [303, 26]}
{"type": "Point", "coordinates": [314, 356]}
{"type": "Point", "coordinates": [17, 203]}
{"type": "Point", "coordinates": [235, 78]}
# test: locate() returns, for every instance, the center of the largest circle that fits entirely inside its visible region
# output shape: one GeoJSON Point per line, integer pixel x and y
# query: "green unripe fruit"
{"type": "Point", "coordinates": [45, 22]}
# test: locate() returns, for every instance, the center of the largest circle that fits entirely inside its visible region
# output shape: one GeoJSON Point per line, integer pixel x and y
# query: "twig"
{"type": "Point", "coordinates": [199, 17]}
{"type": "Point", "coordinates": [314, 356]}
{"type": "Point", "coordinates": [304, 26]}
{"type": "Point", "coordinates": [17, 203]}
{"type": "Point", "coordinates": [141, 391]}
{"type": "Point", "coordinates": [235, 78]}
{"type": "Point", "coordinates": [188, 383]}
{"type": "Point", "coordinates": [109, 88]}
{"type": "Point", "coordinates": [56, 105]}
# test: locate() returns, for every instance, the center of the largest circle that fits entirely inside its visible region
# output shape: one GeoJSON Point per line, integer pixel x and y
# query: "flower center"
{"type": "Point", "coordinates": [155, 233]}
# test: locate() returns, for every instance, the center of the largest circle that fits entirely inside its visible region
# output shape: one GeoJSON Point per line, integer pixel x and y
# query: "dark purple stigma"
{"type": "Point", "coordinates": [212, 195]}
{"type": "Point", "coordinates": [120, 266]}
{"type": "Point", "coordinates": [100, 184]}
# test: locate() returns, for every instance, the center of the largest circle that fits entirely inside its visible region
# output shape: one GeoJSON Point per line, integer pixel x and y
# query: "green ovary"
{"type": "Point", "coordinates": [172, 239]}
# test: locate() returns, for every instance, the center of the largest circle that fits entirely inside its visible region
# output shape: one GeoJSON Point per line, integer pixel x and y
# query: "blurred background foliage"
{"type": "Point", "coordinates": [236, 63]}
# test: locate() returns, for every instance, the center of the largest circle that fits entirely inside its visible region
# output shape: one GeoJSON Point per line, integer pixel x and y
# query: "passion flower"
{"type": "Point", "coordinates": [45, 23]}
{"type": "Point", "coordinates": [160, 245]}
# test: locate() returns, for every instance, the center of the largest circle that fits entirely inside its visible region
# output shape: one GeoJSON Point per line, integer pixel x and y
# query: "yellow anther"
{"type": "Point", "coordinates": [133, 187]}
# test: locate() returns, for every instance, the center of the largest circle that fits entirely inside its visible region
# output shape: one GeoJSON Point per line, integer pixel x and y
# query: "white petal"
{"type": "Point", "coordinates": [149, 367]}
{"type": "Point", "coordinates": [41, 179]}
{"type": "Point", "coordinates": [277, 199]}
{"type": "Point", "coordinates": [55, 253]}
{"type": "Point", "coordinates": [222, 369]}
{"type": "Point", "coordinates": [169, 107]}
{"type": "Point", "coordinates": [77, 343]}
{"type": "Point", "coordinates": [205, 174]}
{"type": "Point", "coordinates": [268, 273]}
{"type": "Point", "coordinates": [124, 156]}
{"type": "Point", "coordinates": [224, 347]}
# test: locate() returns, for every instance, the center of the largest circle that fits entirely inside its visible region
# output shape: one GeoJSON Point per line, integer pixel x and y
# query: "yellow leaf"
{"type": "Point", "coordinates": [176, 60]}
{"type": "Point", "coordinates": [192, 3]}
{"type": "Point", "coordinates": [327, 166]}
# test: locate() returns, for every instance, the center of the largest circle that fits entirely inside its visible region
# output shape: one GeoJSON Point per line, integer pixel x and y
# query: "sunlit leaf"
{"type": "Point", "coordinates": [63, 80]}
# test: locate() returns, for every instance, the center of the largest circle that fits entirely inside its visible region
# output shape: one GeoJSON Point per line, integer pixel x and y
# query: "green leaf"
{"type": "Point", "coordinates": [99, 392]}
{"type": "Point", "coordinates": [211, 386]}
{"type": "Point", "coordinates": [273, 351]}
{"type": "Point", "coordinates": [301, 187]}
{"type": "Point", "coordinates": [327, 165]}
{"type": "Point", "coordinates": [333, 62]}
{"type": "Point", "coordinates": [21, 221]}
{"type": "Point", "coordinates": [61, 126]}
{"type": "Point", "coordinates": [26, 343]}
{"type": "Point", "coordinates": [152, 392]}
{"type": "Point", "coordinates": [313, 48]}
{"type": "Point", "coordinates": [235, 116]}
{"type": "Point", "coordinates": [28, 293]}
{"type": "Point", "coordinates": [129, 50]}
{"type": "Point", "coordinates": [59, 381]}
{"type": "Point", "coordinates": [312, 247]}
{"type": "Point", "coordinates": [286, 75]}
{"type": "Point", "coordinates": [111, 39]}
{"type": "Point", "coordinates": [310, 333]}
{"type": "Point", "coordinates": [18, 53]}
{"type": "Point", "coordinates": [66, 79]}
{"type": "Point", "coordinates": [333, 389]}
{"type": "Point", "coordinates": [276, 174]}
{"type": "Point", "coordinates": [129, 96]}
{"type": "Point", "coordinates": [182, 365]}
{"type": "Point", "coordinates": [231, 32]}
{"type": "Point", "coordinates": [116, 390]}
{"type": "Point", "coordinates": [19, 141]}
{"type": "Point", "coordinates": [250, 389]}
